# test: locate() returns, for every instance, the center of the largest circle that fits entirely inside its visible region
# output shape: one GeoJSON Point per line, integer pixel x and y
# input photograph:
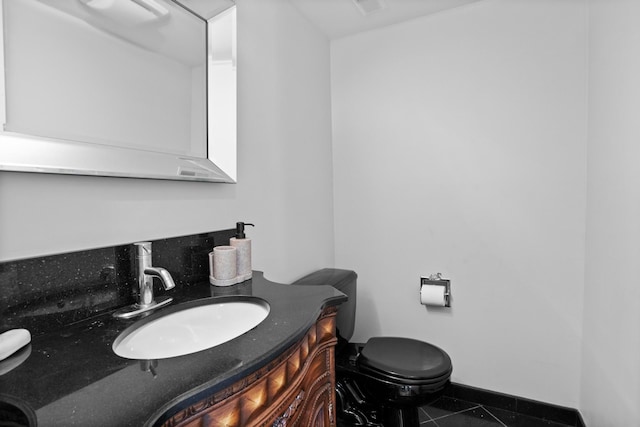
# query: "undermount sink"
{"type": "Point", "coordinates": [190, 327]}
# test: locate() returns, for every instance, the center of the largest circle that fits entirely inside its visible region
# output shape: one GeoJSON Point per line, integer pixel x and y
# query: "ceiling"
{"type": "Point", "coordinates": [207, 8]}
{"type": "Point", "coordinates": [339, 18]}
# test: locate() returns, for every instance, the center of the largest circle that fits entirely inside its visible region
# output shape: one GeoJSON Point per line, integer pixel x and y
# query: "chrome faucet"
{"type": "Point", "coordinates": [145, 273]}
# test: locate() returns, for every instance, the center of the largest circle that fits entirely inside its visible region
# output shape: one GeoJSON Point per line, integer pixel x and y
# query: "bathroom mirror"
{"type": "Point", "coordinates": [131, 88]}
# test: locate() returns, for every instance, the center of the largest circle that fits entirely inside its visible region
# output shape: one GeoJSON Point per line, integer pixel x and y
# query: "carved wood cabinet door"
{"type": "Point", "coordinates": [324, 416]}
{"type": "Point", "coordinates": [297, 389]}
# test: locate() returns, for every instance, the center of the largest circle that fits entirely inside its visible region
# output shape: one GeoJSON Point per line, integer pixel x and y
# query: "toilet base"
{"type": "Point", "coordinates": [354, 410]}
{"type": "Point", "coordinates": [357, 406]}
{"type": "Point", "coordinates": [401, 417]}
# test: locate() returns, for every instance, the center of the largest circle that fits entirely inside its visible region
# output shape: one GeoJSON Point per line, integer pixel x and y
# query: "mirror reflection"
{"type": "Point", "coordinates": [114, 74]}
{"type": "Point", "coordinates": [222, 90]}
{"type": "Point", "coordinates": [118, 87]}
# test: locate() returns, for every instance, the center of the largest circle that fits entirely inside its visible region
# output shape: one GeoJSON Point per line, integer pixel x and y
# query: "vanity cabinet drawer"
{"type": "Point", "coordinates": [295, 389]}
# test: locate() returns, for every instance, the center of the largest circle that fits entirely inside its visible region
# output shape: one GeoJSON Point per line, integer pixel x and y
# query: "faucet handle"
{"type": "Point", "coordinates": [143, 249]}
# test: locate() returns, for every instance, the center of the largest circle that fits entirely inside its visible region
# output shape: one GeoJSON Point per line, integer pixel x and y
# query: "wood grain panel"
{"type": "Point", "coordinates": [295, 389]}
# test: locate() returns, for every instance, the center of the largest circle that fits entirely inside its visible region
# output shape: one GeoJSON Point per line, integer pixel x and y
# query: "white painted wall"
{"type": "Point", "coordinates": [459, 147]}
{"type": "Point", "coordinates": [611, 347]}
{"type": "Point", "coordinates": [284, 167]}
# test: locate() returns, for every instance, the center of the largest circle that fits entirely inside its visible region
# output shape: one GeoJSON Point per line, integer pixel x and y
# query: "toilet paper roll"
{"type": "Point", "coordinates": [432, 295]}
{"type": "Point", "coordinates": [222, 262]}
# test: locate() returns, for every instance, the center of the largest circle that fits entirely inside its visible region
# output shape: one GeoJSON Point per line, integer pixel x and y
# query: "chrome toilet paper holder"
{"type": "Point", "coordinates": [438, 280]}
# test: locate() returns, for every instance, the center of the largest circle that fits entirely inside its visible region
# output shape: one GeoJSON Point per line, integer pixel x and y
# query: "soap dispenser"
{"type": "Point", "coordinates": [243, 251]}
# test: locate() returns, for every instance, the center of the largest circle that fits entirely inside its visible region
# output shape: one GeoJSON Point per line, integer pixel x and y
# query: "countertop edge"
{"type": "Point", "coordinates": [208, 388]}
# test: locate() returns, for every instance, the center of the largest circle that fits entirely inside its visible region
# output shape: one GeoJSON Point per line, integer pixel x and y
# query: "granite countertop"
{"type": "Point", "coordinates": [71, 377]}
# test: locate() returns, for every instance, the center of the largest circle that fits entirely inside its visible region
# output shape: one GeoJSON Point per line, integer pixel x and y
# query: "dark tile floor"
{"type": "Point", "coordinates": [451, 412]}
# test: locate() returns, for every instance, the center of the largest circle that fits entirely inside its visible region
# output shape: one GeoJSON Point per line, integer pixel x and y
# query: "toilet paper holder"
{"type": "Point", "coordinates": [438, 280]}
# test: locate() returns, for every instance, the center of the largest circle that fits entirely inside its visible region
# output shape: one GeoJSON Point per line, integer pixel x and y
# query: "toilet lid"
{"type": "Point", "coordinates": [405, 358]}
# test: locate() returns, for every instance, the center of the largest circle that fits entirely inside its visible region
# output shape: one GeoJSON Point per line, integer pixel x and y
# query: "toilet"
{"type": "Point", "coordinates": [382, 382]}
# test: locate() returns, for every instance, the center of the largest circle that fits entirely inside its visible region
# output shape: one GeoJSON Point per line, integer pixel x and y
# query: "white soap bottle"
{"type": "Point", "coordinates": [243, 251]}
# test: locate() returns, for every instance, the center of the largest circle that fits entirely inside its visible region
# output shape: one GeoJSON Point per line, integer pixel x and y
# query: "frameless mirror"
{"type": "Point", "coordinates": [136, 88]}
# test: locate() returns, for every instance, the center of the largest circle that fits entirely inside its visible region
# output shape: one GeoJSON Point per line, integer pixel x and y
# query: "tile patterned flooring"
{"type": "Point", "coordinates": [451, 412]}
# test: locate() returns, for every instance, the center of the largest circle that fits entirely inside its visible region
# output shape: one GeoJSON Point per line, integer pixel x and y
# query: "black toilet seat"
{"type": "Point", "coordinates": [405, 361]}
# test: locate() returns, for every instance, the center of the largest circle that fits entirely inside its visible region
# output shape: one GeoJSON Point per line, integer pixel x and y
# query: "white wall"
{"type": "Point", "coordinates": [284, 183]}
{"type": "Point", "coordinates": [459, 147]}
{"type": "Point", "coordinates": [611, 348]}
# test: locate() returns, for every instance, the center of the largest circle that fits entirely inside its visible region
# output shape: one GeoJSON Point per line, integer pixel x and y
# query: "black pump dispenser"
{"type": "Point", "coordinates": [240, 229]}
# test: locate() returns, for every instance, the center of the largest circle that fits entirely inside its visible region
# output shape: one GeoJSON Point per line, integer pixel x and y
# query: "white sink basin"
{"type": "Point", "coordinates": [190, 327]}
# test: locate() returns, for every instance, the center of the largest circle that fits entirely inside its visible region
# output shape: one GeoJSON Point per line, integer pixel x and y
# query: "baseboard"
{"type": "Point", "coordinates": [521, 405]}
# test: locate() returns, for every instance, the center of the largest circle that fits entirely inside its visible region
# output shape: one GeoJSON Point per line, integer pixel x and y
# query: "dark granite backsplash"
{"type": "Point", "coordinates": [46, 293]}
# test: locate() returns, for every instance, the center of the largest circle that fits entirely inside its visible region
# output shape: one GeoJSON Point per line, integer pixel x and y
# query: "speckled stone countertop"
{"type": "Point", "coordinates": [71, 376]}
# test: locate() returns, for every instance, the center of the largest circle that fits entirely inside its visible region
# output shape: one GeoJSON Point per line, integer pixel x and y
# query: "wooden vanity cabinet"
{"type": "Point", "coordinates": [295, 389]}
